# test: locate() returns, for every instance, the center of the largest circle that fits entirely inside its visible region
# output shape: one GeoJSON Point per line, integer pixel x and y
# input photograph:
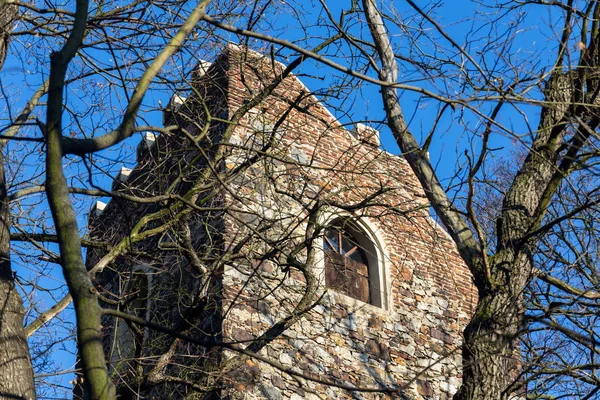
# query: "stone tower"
{"type": "Point", "coordinates": [291, 256]}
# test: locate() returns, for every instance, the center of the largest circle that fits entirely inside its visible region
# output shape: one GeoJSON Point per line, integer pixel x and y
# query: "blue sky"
{"type": "Point", "coordinates": [530, 41]}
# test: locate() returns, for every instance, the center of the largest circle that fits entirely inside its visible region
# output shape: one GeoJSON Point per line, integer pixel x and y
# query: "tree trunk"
{"type": "Point", "coordinates": [491, 362]}
{"type": "Point", "coordinates": [16, 372]}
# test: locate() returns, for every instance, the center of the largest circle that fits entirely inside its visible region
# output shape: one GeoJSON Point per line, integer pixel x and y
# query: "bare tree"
{"type": "Point", "coordinates": [527, 233]}
{"type": "Point", "coordinates": [563, 140]}
{"type": "Point", "coordinates": [16, 374]}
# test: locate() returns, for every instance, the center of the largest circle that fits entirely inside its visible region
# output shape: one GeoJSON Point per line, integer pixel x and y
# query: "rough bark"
{"type": "Point", "coordinates": [16, 372]}
{"type": "Point", "coordinates": [489, 353]}
{"type": "Point", "coordinates": [490, 363]}
{"type": "Point", "coordinates": [8, 14]}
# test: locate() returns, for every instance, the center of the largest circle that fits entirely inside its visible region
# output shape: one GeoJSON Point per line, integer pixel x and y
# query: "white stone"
{"type": "Point", "coordinates": [285, 359]}
{"type": "Point", "coordinates": [415, 325]}
{"type": "Point", "coordinates": [365, 132]}
{"type": "Point", "coordinates": [202, 67]}
{"type": "Point", "coordinates": [319, 309]}
{"type": "Point", "coordinates": [409, 349]}
{"type": "Point", "coordinates": [148, 141]}
{"type": "Point", "coordinates": [443, 303]}
{"type": "Point", "coordinates": [323, 355]}
{"type": "Point", "coordinates": [352, 325]}
{"type": "Point", "coordinates": [299, 344]}
{"type": "Point", "coordinates": [123, 174]}
{"type": "Point", "coordinates": [266, 319]}
{"type": "Point", "coordinates": [98, 208]}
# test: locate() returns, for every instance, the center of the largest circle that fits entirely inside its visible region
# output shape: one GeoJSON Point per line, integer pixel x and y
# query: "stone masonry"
{"type": "Point", "coordinates": [269, 169]}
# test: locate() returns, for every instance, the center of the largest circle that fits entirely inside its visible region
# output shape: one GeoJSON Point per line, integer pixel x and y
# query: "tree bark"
{"type": "Point", "coordinates": [490, 356]}
{"type": "Point", "coordinates": [16, 372]}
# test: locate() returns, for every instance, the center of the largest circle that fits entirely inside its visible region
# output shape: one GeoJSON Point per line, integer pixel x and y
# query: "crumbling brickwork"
{"type": "Point", "coordinates": [263, 180]}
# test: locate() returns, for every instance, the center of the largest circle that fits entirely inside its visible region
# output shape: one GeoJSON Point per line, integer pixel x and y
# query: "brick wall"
{"type": "Point", "coordinates": [414, 339]}
{"type": "Point", "coordinates": [277, 178]}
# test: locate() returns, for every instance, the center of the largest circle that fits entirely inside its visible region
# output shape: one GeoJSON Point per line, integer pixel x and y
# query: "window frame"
{"type": "Point", "coordinates": [369, 235]}
{"type": "Point", "coordinates": [343, 272]}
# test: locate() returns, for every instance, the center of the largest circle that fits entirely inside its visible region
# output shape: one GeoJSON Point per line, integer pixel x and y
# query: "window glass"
{"type": "Point", "coordinates": [331, 240]}
{"type": "Point", "coordinates": [348, 244]}
{"type": "Point", "coordinates": [358, 255]}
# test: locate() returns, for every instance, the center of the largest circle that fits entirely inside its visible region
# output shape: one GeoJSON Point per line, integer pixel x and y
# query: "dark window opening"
{"type": "Point", "coordinates": [346, 264]}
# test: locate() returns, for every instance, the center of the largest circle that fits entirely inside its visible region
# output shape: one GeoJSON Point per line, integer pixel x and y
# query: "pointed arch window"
{"type": "Point", "coordinates": [347, 268]}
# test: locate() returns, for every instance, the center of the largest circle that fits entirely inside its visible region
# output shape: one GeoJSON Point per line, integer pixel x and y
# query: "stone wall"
{"type": "Point", "coordinates": [313, 170]}
{"type": "Point", "coordinates": [264, 188]}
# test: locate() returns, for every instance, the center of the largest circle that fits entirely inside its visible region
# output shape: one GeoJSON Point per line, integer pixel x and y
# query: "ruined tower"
{"type": "Point", "coordinates": [268, 228]}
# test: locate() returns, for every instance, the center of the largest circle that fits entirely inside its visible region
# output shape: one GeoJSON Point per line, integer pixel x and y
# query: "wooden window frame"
{"type": "Point", "coordinates": [344, 274]}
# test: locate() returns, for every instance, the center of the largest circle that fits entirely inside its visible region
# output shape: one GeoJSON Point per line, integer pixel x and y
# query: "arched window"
{"type": "Point", "coordinates": [351, 262]}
